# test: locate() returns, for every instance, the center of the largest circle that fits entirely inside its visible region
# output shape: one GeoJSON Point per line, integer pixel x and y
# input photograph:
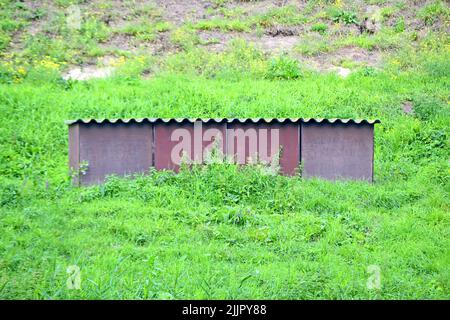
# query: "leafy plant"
{"type": "Point", "coordinates": [320, 28]}
{"type": "Point", "coordinates": [347, 17]}
{"type": "Point", "coordinates": [399, 25]}
{"type": "Point", "coordinates": [283, 67]}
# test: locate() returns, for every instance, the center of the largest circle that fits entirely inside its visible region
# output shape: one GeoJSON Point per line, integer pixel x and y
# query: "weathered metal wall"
{"type": "Point", "coordinates": [111, 149]}
{"type": "Point", "coordinates": [329, 149]}
{"type": "Point", "coordinates": [337, 151]}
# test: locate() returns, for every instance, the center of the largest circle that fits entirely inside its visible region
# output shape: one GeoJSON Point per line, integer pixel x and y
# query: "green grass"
{"type": "Point", "coordinates": [433, 11]}
{"type": "Point", "coordinates": [224, 232]}
{"type": "Point", "coordinates": [144, 31]}
{"type": "Point", "coordinates": [235, 20]}
{"type": "Point", "coordinates": [384, 40]}
{"type": "Point", "coordinates": [223, 25]}
{"type": "Point", "coordinates": [319, 27]}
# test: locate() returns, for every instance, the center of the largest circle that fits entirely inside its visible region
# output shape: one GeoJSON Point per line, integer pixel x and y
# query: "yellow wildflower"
{"type": "Point", "coordinates": [21, 70]}
{"type": "Point", "coordinates": [118, 62]}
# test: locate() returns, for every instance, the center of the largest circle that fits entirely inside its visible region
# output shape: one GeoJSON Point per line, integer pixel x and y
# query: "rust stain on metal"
{"type": "Point", "coordinates": [326, 148]}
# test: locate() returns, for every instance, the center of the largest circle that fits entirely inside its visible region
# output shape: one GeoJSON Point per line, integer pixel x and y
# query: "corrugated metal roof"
{"type": "Point", "coordinates": [225, 120]}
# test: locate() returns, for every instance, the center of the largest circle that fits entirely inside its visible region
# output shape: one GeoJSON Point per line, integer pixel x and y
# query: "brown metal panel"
{"type": "Point", "coordinates": [329, 148]}
{"type": "Point", "coordinates": [74, 152]}
{"type": "Point", "coordinates": [173, 139]}
{"type": "Point", "coordinates": [115, 149]}
{"type": "Point", "coordinates": [337, 150]}
{"type": "Point", "coordinates": [249, 142]}
{"type": "Point", "coordinates": [290, 141]}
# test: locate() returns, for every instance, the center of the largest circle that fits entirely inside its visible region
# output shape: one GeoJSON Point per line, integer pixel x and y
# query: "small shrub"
{"type": "Point", "coordinates": [368, 71]}
{"type": "Point", "coordinates": [283, 67]}
{"type": "Point", "coordinates": [9, 194]}
{"type": "Point", "coordinates": [320, 28]}
{"type": "Point", "coordinates": [399, 25]}
{"type": "Point", "coordinates": [93, 29]}
{"type": "Point", "coordinates": [134, 67]}
{"type": "Point", "coordinates": [349, 17]}
{"type": "Point", "coordinates": [338, 15]}
{"type": "Point", "coordinates": [426, 108]}
{"type": "Point", "coordinates": [427, 144]}
{"type": "Point", "coordinates": [9, 25]}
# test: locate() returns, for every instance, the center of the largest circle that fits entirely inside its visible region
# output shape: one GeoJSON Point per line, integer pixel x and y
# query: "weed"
{"type": "Point", "coordinates": [338, 15]}
{"type": "Point", "coordinates": [320, 28]}
{"type": "Point", "coordinates": [399, 25]}
{"type": "Point", "coordinates": [283, 67]}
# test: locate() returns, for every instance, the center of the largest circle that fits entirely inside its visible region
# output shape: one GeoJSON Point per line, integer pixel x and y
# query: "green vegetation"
{"type": "Point", "coordinates": [286, 15]}
{"type": "Point", "coordinates": [383, 40]}
{"type": "Point", "coordinates": [283, 67]}
{"type": "Point", "coordinates": [319, 27]}
{"type": "Point", "coordinates": [223, 25]}
{"type": "Point", "coordinates": [433, 11]}
{"type": "Point", "coordinates": [145, 31]}
{"type": "Point", "coordinates": [222, 231]}
{"type": "Point", "coordinates": [235, 20]}
{"type": "Point", "coordinates": [338, 15]}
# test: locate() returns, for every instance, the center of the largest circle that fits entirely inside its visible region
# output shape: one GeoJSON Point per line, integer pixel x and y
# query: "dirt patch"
{"type": "Point", "coordinates": [357, 55]}
{"type": "Point", "coordinates": [120, 42]}
{"type": "Point", "coordinates": [348, 55]}
{"type": "Point", "coordinates": [161, 45]}
{"type": "Point", "coordinates": [181, 11]}
{"type": "Point", "coordinates": [276, 45]}
{"type": "Point", "coordinates": [255, 7]}
{"type": "Point", "coordinates": [216, 40]}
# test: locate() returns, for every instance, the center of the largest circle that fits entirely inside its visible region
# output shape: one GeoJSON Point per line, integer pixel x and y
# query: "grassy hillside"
{"type": "Point", "coordinates": [220, 231]}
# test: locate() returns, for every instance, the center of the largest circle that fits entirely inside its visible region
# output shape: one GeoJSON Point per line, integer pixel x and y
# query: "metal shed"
{"type": "Point", "coordinates": [325, 148]}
